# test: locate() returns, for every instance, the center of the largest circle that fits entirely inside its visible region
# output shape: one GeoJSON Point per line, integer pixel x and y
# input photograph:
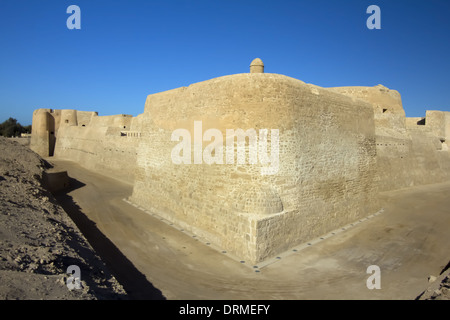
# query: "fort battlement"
{"type": "Point", "coordinates": [338, 148]}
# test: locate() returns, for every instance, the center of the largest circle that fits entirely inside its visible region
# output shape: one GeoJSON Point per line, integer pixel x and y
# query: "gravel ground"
{"type": "Point", "coordinates": [38, 241]}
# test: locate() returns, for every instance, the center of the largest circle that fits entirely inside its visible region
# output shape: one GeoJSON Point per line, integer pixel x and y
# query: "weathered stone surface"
{"type": "Point", "coordinates": [338, 147]}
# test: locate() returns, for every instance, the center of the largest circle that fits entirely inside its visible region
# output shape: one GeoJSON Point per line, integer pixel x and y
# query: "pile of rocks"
{"type": "Point", "coordinates": [439, 288]}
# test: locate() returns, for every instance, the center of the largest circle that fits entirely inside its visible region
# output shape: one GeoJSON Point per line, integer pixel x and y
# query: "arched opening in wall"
{"type": "Point", "coordinates": [83, 125]}
{"type": "Point", "coordinates": [421, 122]}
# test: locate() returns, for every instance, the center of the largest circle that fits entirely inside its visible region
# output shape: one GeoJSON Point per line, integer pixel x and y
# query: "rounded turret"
{"type": "Point", "coordinates": [42, 132]}
{"type": "Point", "coordinates": [257, 66]}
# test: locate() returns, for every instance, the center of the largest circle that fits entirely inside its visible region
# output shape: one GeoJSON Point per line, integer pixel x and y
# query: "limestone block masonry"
{"type": "Point", "coordinates": [338, 148]}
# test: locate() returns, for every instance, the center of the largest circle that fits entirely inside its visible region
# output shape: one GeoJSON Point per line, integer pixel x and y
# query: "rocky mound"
{"type": "Point", "coordinates": [38, 241]}
{"type": "Point", "coordinates": [439, 288]}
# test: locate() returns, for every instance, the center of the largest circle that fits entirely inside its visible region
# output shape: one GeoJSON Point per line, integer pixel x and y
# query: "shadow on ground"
{"type": "Point", "coordinates": [133, 281]}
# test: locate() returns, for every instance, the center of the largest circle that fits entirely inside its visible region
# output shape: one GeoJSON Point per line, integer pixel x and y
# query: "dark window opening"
{"type": "Point", "coordinates": [421, 122]}
{"type": "Point", "coordinates": [384, 110]}
{"type": "Point", "coordinates": [83, 125]}
{"type": "Point", "coordinates": [66, 121]}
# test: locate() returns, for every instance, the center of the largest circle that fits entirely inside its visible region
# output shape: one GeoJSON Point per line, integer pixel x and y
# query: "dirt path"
{"type": "Point", "coordinates": [152, 259]}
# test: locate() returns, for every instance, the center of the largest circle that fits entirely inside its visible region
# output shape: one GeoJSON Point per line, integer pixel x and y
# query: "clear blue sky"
{"type": "Point", "coordinates": [126, 50]}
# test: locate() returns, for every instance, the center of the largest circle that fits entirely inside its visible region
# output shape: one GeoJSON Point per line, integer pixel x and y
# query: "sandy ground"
{"type": "Point", "coordinates": [153, 259]}
{"type": "Point", "coordinates": [38, 241]}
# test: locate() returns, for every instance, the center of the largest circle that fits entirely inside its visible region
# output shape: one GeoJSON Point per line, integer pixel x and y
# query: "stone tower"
{"type": "Point", "coordinates": [257, 66]}
{"type": "Point", "coordinates": [43, 132]}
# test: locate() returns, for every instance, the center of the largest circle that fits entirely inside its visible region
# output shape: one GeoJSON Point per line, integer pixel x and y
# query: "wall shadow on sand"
{"type": "Point", "coordinates": [133, 281]}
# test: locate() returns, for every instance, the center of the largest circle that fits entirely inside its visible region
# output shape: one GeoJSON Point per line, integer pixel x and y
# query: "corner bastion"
{"type": "Point", "coordinates": [326, 174]}
{"type": "Point", "coordinates": [336, 149]}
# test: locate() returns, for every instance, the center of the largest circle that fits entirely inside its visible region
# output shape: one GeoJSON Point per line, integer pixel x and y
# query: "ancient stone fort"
{"type": "Point", "coordinates": [338, 148]}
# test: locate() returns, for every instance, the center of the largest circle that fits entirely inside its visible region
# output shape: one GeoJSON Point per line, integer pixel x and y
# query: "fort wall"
{"type": "Point", "coordinates": [325, 178]}
{"type": "Point", "coordinates": [102, 149]}
{"type": "Point", "coordinates": [408, 149]}
{"type": "Point", "coordinates": [99, 143]}
{"type": "Point", "coordinates": [338, 148]}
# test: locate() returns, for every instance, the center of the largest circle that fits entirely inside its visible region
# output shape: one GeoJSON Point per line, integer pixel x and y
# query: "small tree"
{"type": "Point", "coordinates": [27, 129]}
{"type": "Point", "coordinates": [11, 128]}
